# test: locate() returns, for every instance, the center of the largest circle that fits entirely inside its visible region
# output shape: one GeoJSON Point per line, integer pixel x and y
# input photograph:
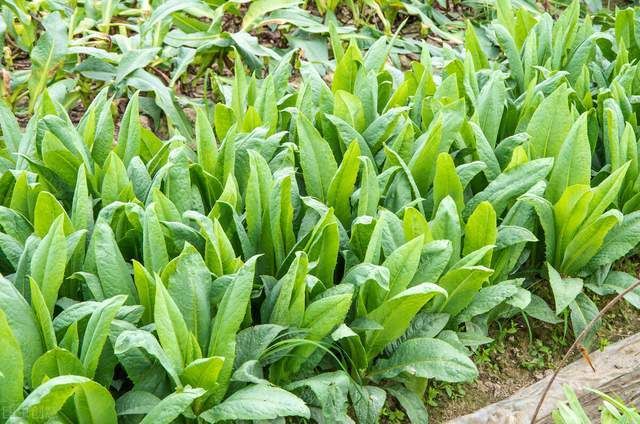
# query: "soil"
{"type": "Point", "coordinates": [516, 361]}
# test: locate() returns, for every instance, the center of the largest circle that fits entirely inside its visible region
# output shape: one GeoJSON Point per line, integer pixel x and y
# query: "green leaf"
{"type": "Point", "coordinates": [427, 358]}
{"type": "Point", "coordinates": [347, 69]}
{"type": "Point", "coordinates": [23, 324]}
{"type": "Point", "coordinates": [573, 165]}
{"type": "Point", "coordinates": [206, 142]}
{"type": "Point", "coordinates": [129, 135]}
{"type": "Point", "coordinates": [43, 315]}
{"type": "Point", "coordinates": [618, 242]}
{"type": "Point", "coordinates": [605, 193]}
{"type": "Point", "coordinates": [446, 226]}
{"type": "Point", "coordinates": [550, 125]}
{"type": "Point", "coordinates": [46, 56]}
{"type": "Point", "coordinates": [403, 264]}
{"type": "Point", "coordinates": [97, 332]}
{"type": "Point", "coordinates": [46, 211]}
{"type": "Point", "coordinates": [368, 402]}
{"type": "Point", "coordinates": [231, 312]}
{"type": "Point", "coordinates": [153, 245]}
{"type": "Point", "coordinates": [172, 406]}
{"type": "Point", "coordinates": [94, 403]}
{"type": "Point", "coordinates": [288, 308]}
{"type": "Point", "coordinates": [565, 290]}
{"type": "Point", "coordinates": [59, 159]}
{"type": "Point", "coordinates": [508, 46]}
{"type": "Point", "coordinates": [47, 399]}
{"type": "Point", "coordinates": [112, 270]}
{"type": "Point", "coordinates": [321, 317]}
{"type": "Point", "coordinates": [10, 128]}
{"type": "Point", "coordinates": [188, 282]}
{"type": "Point", "coordinates": [171, 328]}
{"type": "Point", "coordinates": [511, 184]}
{"type": "Point", "coordinates": [54, 363]}
{"type": "Point", "coordinates": [350, 109]}
{"type": "Point", "coordinates": [490, 106]}
{"type": "Point", "coordinates": [11, 369]}
{"type": "Point", "coordinates": [203, 372]}
{"type": "Point", "coordinates": [588, 241]}
{"type": "Point", "coordinates": [331, 390]}
{"type": "Point", "coordinates": [487, 299]}
{"type": "Point", "coordinates": [480, 231]}
{"type": "Point", "coordinates": [82, 207]}
{"type": "Point", "coordinates": [342, 184]}
{"type": "Point", "coordinates": [395, 314]}
{"type": "Point", "coordinates": [132, 60]}
{"type": "Point", "coordinates": [583, 311]}
{"type": "Point", "coordinates": [260, 8]}
{"type": "Point", "coordinates": [461, 284]}
{"type": "Point", "coordinates": [428, 146]}
{"type": "Point", "coordinates": [316, 159]}
{"type": "Point", "coordinates": [446, 182]}
{"type": "Point", "coordinates": [411, 403]}
{"type": "Point", "coordinates": [257, 402]}
{"type": "Point", "coordinates": [48, 263]}
{"type": "Point", "coordinates": [539, 309]}
{"type": "Point", "coordinates": [140, 339]}
{"type": "Point", "coordinates": [473, 46]}
{"type": "Point", "coordinates": [137, 402]}
{"type": "Point", "coordinates": [369, 192]}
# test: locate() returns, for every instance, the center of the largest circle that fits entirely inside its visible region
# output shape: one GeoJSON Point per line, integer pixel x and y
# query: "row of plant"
{"type": "Point", "coordinates": [174, 51]}
{"type": "Point", "coordinates": [163, 48]}
{"type": "Point", "coordinates": [308, 250]}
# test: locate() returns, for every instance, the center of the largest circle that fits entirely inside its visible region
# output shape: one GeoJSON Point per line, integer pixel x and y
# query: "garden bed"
{"type": "Point", "coordinates": [214, 211]}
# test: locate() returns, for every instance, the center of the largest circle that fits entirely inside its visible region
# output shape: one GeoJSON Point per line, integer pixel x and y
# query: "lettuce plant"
{"type": "Point", "coordinates": [308, 250]}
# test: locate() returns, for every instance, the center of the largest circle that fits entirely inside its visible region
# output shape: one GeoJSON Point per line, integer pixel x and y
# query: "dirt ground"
{"type": "Point", "coordinates": [514, 361]}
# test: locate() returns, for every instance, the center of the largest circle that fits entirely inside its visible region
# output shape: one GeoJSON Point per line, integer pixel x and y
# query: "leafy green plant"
{"type": "Point", "coordinates": [612, 410]}
{"type": "Point", "coordinates": [310, 248]}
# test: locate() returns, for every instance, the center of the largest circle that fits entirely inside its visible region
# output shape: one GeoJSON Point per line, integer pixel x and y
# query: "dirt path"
{"type": "Point", "coordinates": [513, 361]}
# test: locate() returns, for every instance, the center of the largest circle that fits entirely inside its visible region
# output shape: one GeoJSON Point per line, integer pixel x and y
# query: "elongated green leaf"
{"type": "Point", "coordinates": [490, 105]}
{"type": "Point", "coordinates": [97, 332]}
{"type": "Point", "coordinates": [11, 369]}
{"type": "Point", "coordinates": [226, 324]}
{"type": "Point", "coordinates": [48, 398]}
{"type": "Point", "coordinates": [23, 324]}
{"type": "Point", "coordinates": [588, 242]}
{"type": "Point", "coordinates": [342, 184]}
{"type": "Point", "coordinates": [573, 165]}
{"type": "Point", "coordinates": [317, 161]}
{"type": "Point", "coordinates": [171, 407]}
{"type": "Point", "coordinates": [428, 358]}
{"type": "Point", "coordinates": [480, 231]}
{"type": "Point", "coordinates": [511, 184]}
{"type": "Point", "coordinates": [112, 270]}
{"type": "Point", "coordinates": [54, 363]}
{"type": "Point", "coordinates": [266, 403]}
{"type": "Point", "coordinates": [47, 56]}
{"type": "Point", "coordinates": [446, 182]}
{"type": "Point", "coordinates": [550, 125]}
{"type": "Point", "coordinates": [395, 314]}
{"type": "Point", "coordinates": [48, 263]}
{"type": "Point", "coordinates": [171, 328]}
{"type": "Point", "coordinates": [188, 282]}
{"type": "Point", "coordinates": [461, 284]}
{"type": "Point", "coordinates": [564, 290]}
